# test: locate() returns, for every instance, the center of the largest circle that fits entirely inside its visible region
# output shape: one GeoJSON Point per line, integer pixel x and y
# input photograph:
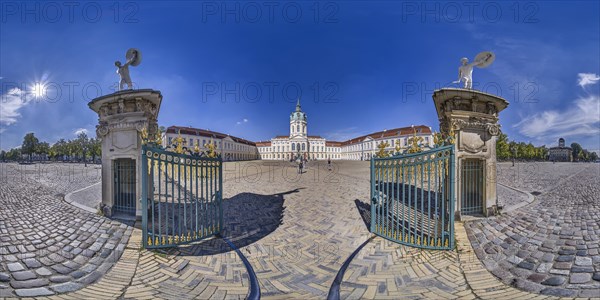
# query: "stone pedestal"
{"type": "Point", "coordinates": [123, 117]}
{"type": "Point", "coordinates": [471, 117]}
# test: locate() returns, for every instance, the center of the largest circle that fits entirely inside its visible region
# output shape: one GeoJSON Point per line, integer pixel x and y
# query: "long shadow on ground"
{"type": "Point", "coordinates": [364, 209]}
{"type": "Point", "coordinates": [247, 218]}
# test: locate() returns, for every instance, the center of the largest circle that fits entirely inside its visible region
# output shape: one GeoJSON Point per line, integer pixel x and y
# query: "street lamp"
{"type": "Point", "coordinates": [85, 149]}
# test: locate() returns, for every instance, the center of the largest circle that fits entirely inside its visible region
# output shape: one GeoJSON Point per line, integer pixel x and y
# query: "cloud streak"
{"type": "Point", "coordinates": [10, 104]}
{"type": "Point", "coordinates": [580, 119]}
{"type": "Point", "coordinates": [242, 121]}
{"type": "Point", "coordinates": [587, 79]}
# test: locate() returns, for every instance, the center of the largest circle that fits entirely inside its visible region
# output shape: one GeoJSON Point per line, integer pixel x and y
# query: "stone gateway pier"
{"type": "Point", "coordinates": [470, 119]}
{"type": "Point", "coordinates": [123, 117]}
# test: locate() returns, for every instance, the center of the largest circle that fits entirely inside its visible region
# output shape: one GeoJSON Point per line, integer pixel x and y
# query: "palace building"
{"type": "Point", "coordinates": [560, 153]}
{"type": "Point", "coordinates": [228, 146]}
{"type": "Point", "coordinates": [298, 144]}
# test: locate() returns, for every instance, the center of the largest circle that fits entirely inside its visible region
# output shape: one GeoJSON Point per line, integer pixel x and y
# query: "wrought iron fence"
{"type": "Point", "coordinates": [412, 198]}
{"type": "Point", "coordinates": [182, 197]}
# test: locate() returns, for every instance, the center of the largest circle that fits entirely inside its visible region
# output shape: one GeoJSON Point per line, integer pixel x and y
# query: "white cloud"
{"type": "Point", "coordinates": [587, 79]}
{"type": "Point", "coordinates": [2, 129]}
{"type": "Point", "coordinates": [580, 119]}
{"type": "Point", "coordinates": [242, 121]}
{"type": "Point", "coordinates": [10, 104]}
{"type": "Point", "coordinates": [245, 120]}
{"type": "Point", "coordinates": [80, 131]}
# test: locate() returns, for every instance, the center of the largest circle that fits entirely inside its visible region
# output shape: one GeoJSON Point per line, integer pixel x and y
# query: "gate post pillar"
{"type": "Point", "coordinates": [122, 119]}
{"type": "Point", "coordinates": [470, 117]}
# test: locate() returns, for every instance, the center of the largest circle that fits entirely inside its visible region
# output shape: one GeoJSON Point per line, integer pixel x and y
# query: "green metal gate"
{"type": "Point", "coordinates": [412, 198]}
{"type": "Point", "coordinates": [471, 187]}
{"type": "Point", "coordinates": [183, 197]}
{"type": "Point", "coordinates": [124, 186]}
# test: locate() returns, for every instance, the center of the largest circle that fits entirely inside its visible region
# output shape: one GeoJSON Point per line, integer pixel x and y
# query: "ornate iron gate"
{"type": "Point", "coordinates": [183, 197]}
{"type": "Point", "coordinates": [124, 186]}
{"type": "Point", "coordinates": [412, 198]}
{"type": "Point", "coordinates": [471, 187]}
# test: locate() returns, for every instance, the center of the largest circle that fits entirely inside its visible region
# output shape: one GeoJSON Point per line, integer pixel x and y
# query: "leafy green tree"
{"type": "Point", "coordinates": [82, 143]}
{"type": "Point", "coordinates": [13, 154]}
{"type": "Point", "coordinates": [29, 145]}
{"type": "Point", "coordinates": [42, 148]}
{"type": "Point", "coordinates": [59, 149]}
{"type": "Point", "coordinates": [502, 147]}
{"type": "Point", "coordinates": [95, 148]}
{"type": "Point", "coordinates": [2, 155]}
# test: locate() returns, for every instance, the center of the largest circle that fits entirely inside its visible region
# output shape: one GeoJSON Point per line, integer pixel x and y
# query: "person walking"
{"type": "Point", "coordinates": [329, 164]}
{"type": "Point", "coordinates": [300, 166]}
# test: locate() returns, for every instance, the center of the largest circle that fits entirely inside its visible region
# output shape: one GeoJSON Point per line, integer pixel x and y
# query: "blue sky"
{"type": "Point", "coordinates": [361, 66]}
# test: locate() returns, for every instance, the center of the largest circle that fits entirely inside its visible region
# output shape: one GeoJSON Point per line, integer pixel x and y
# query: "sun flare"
{"type": "Point", "coordinates": [38, 90]}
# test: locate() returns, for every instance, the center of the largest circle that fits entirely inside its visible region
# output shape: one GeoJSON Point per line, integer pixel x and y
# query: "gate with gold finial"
{"type": "Point", "coordinates": [181, 195]}
{"type": "Point", "coordinates": [412, 198]}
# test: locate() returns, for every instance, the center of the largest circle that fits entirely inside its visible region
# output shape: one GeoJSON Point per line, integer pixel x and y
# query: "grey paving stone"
{"type": "Point", "coordinates": [554, 281]}
{"type": "Point", "coordinates": [558, 292]}
{"type": "Point", "coordinates": [526, 265]}
{"type": "Point", "coordinates": [586, 269]}
{"type": "Point", "coordinates": [32, 263]}
{"type": "Point", "coordinates": [59, 278]}
{"type": "Point", "coordinates": [66, 287]}
{"type": "Point", "coordinates": [564, 258]}
{"type": "Point", "coordinates": [43, 272]}
{"type": "Point", "coordinates": [15, 267]}
{"type": "Point", "coordinates": [580, 278]}
{"type": "Point", "coordinates": [4, 277]}
{"type": "Point", "coordinates": [35, 292]}
{"type": "Point", "coordinates": [562, 265]}
{"type": "Point", "coordinates": [26, 284]}
{"type": "Point", "coordinates": [24, 275]}
{"type": "Point", "coordinates": [583, 261]}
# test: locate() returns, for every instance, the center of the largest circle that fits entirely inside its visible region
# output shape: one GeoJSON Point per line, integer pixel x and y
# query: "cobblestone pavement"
{"type": "Point", "coordinates": [48, 246]}
{"type": "Point", "coordinates": [295, 231]}
{"type": "Point", "coordinates": [552, 245]}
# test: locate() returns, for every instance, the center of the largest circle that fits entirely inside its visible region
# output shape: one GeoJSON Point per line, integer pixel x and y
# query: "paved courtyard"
{"type": "Point", "coordinates": [553, 245]}
{"type": "Point", "coordinates": [297, 231]}
{"type": "Point", "coordinates": [47, 245]}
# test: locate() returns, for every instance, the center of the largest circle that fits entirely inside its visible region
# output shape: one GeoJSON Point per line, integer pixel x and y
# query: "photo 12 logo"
{"type": "Point", "coordinates": [269, 12]}
{"type": "Point", "coordinates": [270, 91]}
{"type": "Point", "coordinates": [68, 11]}
{"type": "Point", "coordinates": [469, 11]}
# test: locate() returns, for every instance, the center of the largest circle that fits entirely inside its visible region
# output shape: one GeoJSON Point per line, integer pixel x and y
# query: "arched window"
{"type": "Point", "coordinates": [298, 146]}
{"type": "Point", "coordinates": [298, 128]}
{"type": "Point", "coordinates": [303, 146]}
{"type": "Point", "coordinates": [293, 146]}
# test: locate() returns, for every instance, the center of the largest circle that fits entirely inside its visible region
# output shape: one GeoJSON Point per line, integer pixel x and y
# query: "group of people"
{"type": "Point", "coordinates": [302, 163]}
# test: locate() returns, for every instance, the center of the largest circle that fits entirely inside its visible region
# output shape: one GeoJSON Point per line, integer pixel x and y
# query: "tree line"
{"type": "Point", "coordinates": [79, 149]}
{"type": "Point", "coordinates": [507, 150]}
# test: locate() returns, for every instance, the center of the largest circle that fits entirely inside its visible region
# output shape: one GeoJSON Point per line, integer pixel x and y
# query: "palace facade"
{"type": "Point", "coordinates": [560, 153]}
{"type": "Point", "coordinates": [298, 144]}
{"type": "Point", "coordinates": [228, 146]}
